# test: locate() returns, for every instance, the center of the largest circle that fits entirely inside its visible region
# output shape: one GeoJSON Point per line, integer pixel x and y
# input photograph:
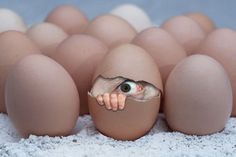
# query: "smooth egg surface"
{"type": "Point", "coordinates": [186, 31]}
{"type": "Point", "coordinates": [46, 36]}
{"type": "Point", "coordinates": [80, 55]}
{"type": "Point", "coordinates": [14, 45]}
{"type": "Point", "coordinates": [220, 45]}
{"type": "Point", "coordinates": [198, 96]}
{"type": "Point", "coordinates": [41, 97]}
{"type": "Point", "coordinates": [69, 18]}
{"type": "Point", "coordinates": [10, 20]}
{"type": "Point", "coordinates": [133, 14]}
{"type": "Point", "coordinates": [110, 29]}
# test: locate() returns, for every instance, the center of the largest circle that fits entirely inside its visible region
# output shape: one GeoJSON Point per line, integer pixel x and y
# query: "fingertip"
{"type": "Point", "coordinates": [121, 101]}
{"type": "Point", "coordinates": [106, 98]}
{"type": "Point", "coordinates": [100, 100]}
{"type": "Point", "coordinates": [114, 102]}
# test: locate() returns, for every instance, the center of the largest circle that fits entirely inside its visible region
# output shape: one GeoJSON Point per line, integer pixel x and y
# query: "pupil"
{"type": "Point", "coordinates": [125, 87]}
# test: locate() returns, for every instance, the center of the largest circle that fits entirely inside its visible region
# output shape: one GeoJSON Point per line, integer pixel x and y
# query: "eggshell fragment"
{"type": "Point", "coordinates": [46, 36]}
{"type": "Point", "coordinates": [186, 31]}
{"type": "Point", "coordinates": [198, 96]}
{"type": "Point", "coordinates": [14, 45]}
{"type": "Point", "coordinates": [162, 47]}
{"type": "Point", "coordinates": [220, 44]}
{"type": "Point", "coordinates": [80, 55]}
{"type": "Point", "coordinates": [110, 29]}
{"type": "Point", "coordinates": [133, 14]}
{"type": "Point", "coordinates": [9, 20]}
{"type": "Point", "coordinates": [203, 20]}
{"type": "Point", "coordinates": [138, 117]}
{"type": "Point", "coordinates": [69, 18]}
{"type": "Point", "coordinates": [41, 97]}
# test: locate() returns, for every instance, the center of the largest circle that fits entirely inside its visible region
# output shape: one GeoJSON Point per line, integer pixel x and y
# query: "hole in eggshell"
{"type": "Point", "coordinates": [137, 90]}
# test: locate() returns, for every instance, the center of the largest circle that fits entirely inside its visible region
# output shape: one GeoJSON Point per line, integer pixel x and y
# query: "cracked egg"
{"type": "Point", "coordinates": [125, 97]}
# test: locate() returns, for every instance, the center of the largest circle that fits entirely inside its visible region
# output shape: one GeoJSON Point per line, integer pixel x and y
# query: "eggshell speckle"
{"type": "Point", "coordinates": [69, 18]}
{"type": "Point", "coordinates": [220, 44]}
{"type": "Point", "coordinates": [133, 14]}
{"type": "Point", "coordinates": [186, 31]}
{"type": "Point", "coordinates": [138, 117]}
{"type": "Point", "coordinates": [46, 36]}
{"type": "Point", "coordinates": [9, 20]}
{"type": "Point", "coordinates": [41, 97]}
{"type": "Point", "coordinates": [80, 55]}
{"type": "Point", "coordinates": [14, 45]}
{"type": "Point", "coordinates": [198, 96]}
{"type": "Point", "coordinates": [110, 29]}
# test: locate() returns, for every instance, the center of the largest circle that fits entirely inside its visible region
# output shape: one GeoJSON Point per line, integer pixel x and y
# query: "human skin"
{"type": "Point", "coordinates": [116, 99]}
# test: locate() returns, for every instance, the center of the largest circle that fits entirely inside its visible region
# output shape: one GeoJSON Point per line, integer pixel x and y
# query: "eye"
{"type": "Point", "coordinates": [130, 87]}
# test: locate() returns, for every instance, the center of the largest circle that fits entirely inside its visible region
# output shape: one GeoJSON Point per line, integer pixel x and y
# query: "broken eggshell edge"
{"type": "Point", "coordinates": [131, 123]}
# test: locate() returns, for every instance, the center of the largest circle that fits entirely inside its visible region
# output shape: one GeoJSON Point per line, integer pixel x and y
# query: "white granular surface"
{"type": "Point", "coordinates": [87, 141]}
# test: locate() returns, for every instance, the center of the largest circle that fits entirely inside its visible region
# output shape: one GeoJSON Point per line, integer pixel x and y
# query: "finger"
{"type": "Point", "coordinates": [100, 100]}
{"type": "Point", "coordinates": [121, 101]}
{"type": "Point", "coordinates": [106, 98]}
{"type": "Point", "coordinates": [114, 103]}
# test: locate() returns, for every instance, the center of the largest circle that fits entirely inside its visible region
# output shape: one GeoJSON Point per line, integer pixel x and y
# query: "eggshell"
{"type": "Point", "coordinates": [198, 96]}
{"type": "Point", "coordinates": [41, 97]}
{"type": "Point", "coordinates": [110, 29]}
{"type": "Point", "coordinates": [129, 124]}
{"type": "Point", "coordinates": [133, 14]}
{"type": "Point", "coordinates": [9, 20]}
{"type": "Point", "coordinates": [162, 47]}
{"type": "Point", "coordinates": [220, 44]}
{"type": "Point", "coordinates": [186, 31]}
{"type": "Point", "coordinates": [69, 18]}
{"type": "Point", "coordinates": [80, 55]}
{"type": "Point", "coordinates": [137, 118]}
{"type": "Point", "coordinates": [46, 36]}
{"type": "Point", "coordinates": [14, 45]}
{"type": "Point", "coordinates": [203, 20]}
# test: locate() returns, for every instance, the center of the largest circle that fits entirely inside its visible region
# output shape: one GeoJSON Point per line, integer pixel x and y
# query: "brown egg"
{"type": "Point", "coordinates": [186, 31]}
{"type": "Point", "coordinates": [13, 46]}
{"type": "Point", "coordinates": [137, 118]}
{"type": "Point", "coordinates": [203, 20]}
{"type": "Point", "coordinates": [69, 18]}
{"type": "Point", "coordinates": [41, 97]}
{"type": "Point", "coordinates": [220, 45]}
{"type": "Point", "coordinates": [80, 55]}
{"type": "Point", "coordinates": [46, 36]}
{"type": "Point", "coordinates": [111, 29]}
{"type": "Point", "coordinates": [198, 96]}
{"type": "Point", "coordinates": [162, 47]}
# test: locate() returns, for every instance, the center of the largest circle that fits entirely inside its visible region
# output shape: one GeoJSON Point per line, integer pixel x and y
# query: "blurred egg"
{"type": "Point", "coordinates": [186, 31]}
{"type": "Point", "coordinates": [69, 18]}
{"type": "Point", "coordinates": [110, 29]}
{"type": "Point", "coordinates": [46, 36]}
{"type": "Point", "coordinates": [41, 97]}
{"type": "Point", "coordinates": [133, 14]}
{"type": "Point", "coordinates": [80, 55]}
{"type": "Point", "coordinates": [198, 96]}
{"type": "Point", "coordinates": [203, 20]}
{"type": "Point", "coordinates": [137, 118]}
{"type": "Point", "coordinates": [14, 45]}
{"type": "Point", "coordinates": [9, 20]}
{"type": "Point", "coordinates": [162, 47]}
{"type": "Point", "coordinates": [221, 45]}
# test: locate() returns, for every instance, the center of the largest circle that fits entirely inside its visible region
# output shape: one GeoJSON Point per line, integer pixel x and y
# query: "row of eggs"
{"type": "Point", "coordinates": [41, 96]}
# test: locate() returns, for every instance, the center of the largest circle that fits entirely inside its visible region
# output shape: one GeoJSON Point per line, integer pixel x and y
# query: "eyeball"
{"type": "Point", "coordinates": [129, 88]}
